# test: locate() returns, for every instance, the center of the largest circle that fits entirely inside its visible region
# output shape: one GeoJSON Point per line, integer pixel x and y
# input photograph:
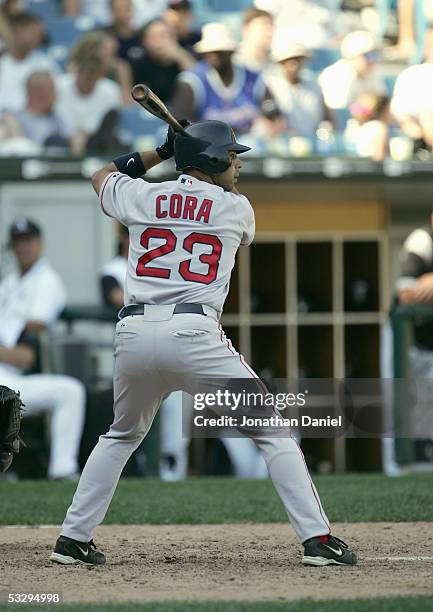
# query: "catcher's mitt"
{"type": "Point", "coordinates": [10, 421]}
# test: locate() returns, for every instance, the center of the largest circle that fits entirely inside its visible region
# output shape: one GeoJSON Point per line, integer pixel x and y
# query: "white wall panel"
{"type": "Point", "coordinates": [79, 237]}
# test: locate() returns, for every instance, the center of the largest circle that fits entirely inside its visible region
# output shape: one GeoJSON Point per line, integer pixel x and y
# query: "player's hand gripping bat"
{"type": "Point", "coordinates": [148, 100]}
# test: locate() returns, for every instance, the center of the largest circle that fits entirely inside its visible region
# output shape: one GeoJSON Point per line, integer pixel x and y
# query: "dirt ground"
{"type": "Point", "coordinates": [225, 562]}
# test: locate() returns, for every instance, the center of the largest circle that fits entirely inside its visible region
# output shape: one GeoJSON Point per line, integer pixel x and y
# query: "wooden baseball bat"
{"type": "Point", "coordinates": [150, 101]}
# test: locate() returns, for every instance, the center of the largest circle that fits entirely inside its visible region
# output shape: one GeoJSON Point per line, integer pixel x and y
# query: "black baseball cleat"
{"type": "Point", "coordinates": [72, 552]}
{"type": "Point", "coordinates": [333, 552]}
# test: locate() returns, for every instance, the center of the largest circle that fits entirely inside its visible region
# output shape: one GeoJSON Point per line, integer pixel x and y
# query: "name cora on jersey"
{"type": "Point", "coordinates": [179, 206]}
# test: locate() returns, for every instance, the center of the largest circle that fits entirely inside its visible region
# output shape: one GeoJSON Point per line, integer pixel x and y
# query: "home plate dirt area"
{"type": "Point", "coordinates": [220, 562]}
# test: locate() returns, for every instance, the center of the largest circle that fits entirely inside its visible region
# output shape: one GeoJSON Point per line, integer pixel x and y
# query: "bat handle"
{"type": "Point", "coordinates": [177, 127]}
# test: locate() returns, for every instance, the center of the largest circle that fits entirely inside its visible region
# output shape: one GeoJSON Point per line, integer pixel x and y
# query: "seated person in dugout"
{"type": "Point", "coordinates": [31, 299]}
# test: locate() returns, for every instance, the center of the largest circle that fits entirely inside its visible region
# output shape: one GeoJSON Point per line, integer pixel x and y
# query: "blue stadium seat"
{"type": "Point", "coordinates": [44, 9]}
{"type": "Point", "coordinates": [63, 31]}
{"type": "Point", "coordinates": [136, 122]}
{"type": "Point", "coordinates": [206, 11]}
{"type": "Point", "coordinates": [390, 80]}
{"type": "Point", "coordinates": [228, 6]}
{"type": "Point", "coordinates": [341, 116]}
{"type": "Point", "coordinates": [321, 58]}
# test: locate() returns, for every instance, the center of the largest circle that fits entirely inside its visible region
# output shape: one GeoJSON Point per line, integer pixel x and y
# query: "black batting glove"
{"type": "Point", "coordinates": [166, 150]}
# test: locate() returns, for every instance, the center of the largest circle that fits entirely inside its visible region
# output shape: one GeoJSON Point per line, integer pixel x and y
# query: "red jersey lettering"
{"type": "Point", "coordinates": [160, 214]}
{"type": "Point", "coordinates": [175, 206]}
{"type": "Point", "coordinates": [185, 207]}
{"type": "Point", "coordinates": [189, 208]}
{"type": "Point", "coordinates": [204, 211]}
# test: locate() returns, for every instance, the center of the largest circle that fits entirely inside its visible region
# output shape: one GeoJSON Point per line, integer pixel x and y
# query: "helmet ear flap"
{"type": "Point", "coordinates": [206, 146]}
{"type": "Point", "coordinates": [210, 163]}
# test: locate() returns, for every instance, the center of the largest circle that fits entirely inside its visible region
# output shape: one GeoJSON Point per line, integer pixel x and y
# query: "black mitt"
{"type": "Point", "coordinates": [10, 421]}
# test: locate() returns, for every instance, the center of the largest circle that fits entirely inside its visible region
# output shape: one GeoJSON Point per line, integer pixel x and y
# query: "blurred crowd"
{"type": "Point", "coordinates": [298, 78]}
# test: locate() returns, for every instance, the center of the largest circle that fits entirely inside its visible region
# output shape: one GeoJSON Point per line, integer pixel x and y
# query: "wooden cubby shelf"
{"type": "Point", "coordinates": [310, 305]}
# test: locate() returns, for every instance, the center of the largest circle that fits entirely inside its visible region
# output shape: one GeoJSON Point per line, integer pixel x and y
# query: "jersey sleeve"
{"type": "Point", "coordinates": [247, 220]}
{"type": "Point", "coordinates": [416, 255]}
{"type": "Point", "coordinates": [118, 195]}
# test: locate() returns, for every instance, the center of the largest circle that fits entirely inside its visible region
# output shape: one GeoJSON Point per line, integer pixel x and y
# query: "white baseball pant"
{"type": "Point", "coordinates": [155, 354]}
{"type": "Point", "coordinates": [65, 399]}
{"type": "Point", "coordinates": [246, 459]}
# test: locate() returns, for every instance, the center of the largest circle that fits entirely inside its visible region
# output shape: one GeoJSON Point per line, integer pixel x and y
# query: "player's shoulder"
{"type": "Point", "coordinates": [107, 86]}
{"type": "Point", "coordinates": [182, 184]}
{"type": "Point", "coordinates": [237, 198]}
{"type": "Point", "coordinates": [169, 184]}
{"type": "Point", "coordinates": [244, 71]}
{"type": "Point", "coordinates": [39, 59]}
{"type": "Point", "coordinates": [200, 68]}
{"type": "Point", "coordinates": [65, 83]}
{"type": "Point", "coordinates": [8, 281]}
{"type": "Point", "coordinates": [121, 179]}
{"type": "Point", "coordinates": [420, 242]}
{"type": "Point", "coordinates": [64, 79]}
{"type": "Point", "coordinates": [45, 273]}
{"type": "Point", "coordinates": [341, 66]}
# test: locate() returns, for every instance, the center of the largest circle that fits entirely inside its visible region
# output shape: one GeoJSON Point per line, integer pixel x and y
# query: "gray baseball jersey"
{"type": "Point", "coordinates": [184, 236]}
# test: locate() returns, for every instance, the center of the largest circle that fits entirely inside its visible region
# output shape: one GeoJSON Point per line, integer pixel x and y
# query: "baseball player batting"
{"type": "Point", "coordinates": [184, 235]}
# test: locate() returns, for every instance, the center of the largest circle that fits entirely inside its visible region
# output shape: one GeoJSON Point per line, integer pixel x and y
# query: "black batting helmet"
{"type": "Point", "coordinates": [206, 146]}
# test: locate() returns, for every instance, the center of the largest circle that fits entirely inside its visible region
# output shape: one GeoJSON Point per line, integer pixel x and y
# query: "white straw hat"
{"type": "Point", "coordinates": [357, 43]}
{"type": "Point", "coordinates": [215, 37]}
{"type": "Point", "coordinates": [284, 50]}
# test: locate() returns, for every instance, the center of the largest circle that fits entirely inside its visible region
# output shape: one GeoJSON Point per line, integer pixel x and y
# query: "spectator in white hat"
{"type": "Point", "coordinates": [298, 95]}
{"type": "Point", "coordinates": [217, 87]}
{"type": "Point", "coordinates": [412, 99]}
{"type": "Point", "coordinates": [356, 73]}
{"type": "Point", "coordinates": [32, 298]}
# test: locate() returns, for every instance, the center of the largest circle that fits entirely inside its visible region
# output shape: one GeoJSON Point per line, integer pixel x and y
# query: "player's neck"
{"type": "Point", "coordinates": [201, 176]}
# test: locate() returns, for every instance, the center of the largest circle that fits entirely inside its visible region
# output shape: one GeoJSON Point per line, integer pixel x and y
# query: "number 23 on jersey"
{"type": "Point", "coordinates": [169, 245]}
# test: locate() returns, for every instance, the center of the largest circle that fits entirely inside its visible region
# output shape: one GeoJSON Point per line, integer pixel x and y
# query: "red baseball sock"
{"type": "Point", "coordinates": [324, 538]}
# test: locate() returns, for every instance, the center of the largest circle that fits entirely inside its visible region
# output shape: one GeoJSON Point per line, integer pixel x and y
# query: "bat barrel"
{"type": "Point", "coordinates": [147, 99]}
{"type": "Point", "coordinates": [140, 92]}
